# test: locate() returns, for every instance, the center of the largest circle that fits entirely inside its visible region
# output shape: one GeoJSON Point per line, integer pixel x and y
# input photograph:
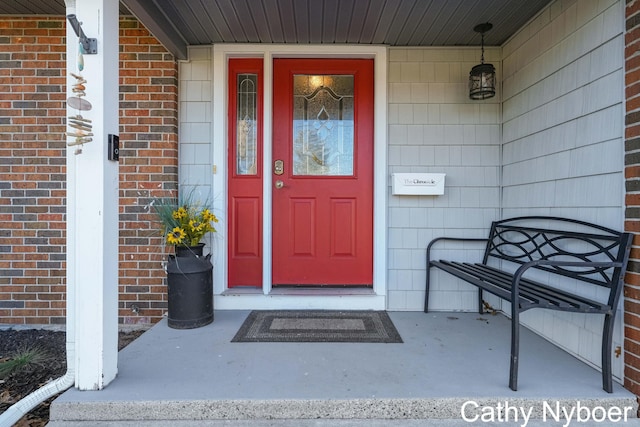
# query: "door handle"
{"type": "Point", "coordinates": [279, 184]}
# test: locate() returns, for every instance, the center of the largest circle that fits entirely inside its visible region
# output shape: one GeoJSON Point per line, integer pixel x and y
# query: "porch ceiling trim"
{"type": "Point", "coordinates": [160, 26]}
{"type": "Point", "coordinates": [178, 24]}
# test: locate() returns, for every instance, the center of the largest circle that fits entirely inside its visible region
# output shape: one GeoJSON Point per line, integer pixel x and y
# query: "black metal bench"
{"type": "Point", "coordinates": [590, 254]}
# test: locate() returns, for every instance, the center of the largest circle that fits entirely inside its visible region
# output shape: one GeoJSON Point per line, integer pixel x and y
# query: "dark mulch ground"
{"type": "Point", "coordinates": [19, 384]}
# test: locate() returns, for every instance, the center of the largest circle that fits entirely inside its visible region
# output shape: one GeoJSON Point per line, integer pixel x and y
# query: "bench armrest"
{"type": "Point", "coordinates": [454, 239]}
{"type": "Point", "coordinates": [429, 246]}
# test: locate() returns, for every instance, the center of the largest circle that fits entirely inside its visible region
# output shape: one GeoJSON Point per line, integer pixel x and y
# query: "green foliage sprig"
{"type": "Point", "coordinates": [184, 222]}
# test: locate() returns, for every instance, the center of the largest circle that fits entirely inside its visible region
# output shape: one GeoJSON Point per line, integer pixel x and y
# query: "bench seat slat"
{"type": "Point", "coordinates": [532, 294]}
{"type": "Point", "coordinates": [502, 280]}
{"type": "Point", "coordinates": [554, 293]}
{"type": "Point", "coordinates": [500, 286]}
{"type": "Point", "coordinates": [468, 275]}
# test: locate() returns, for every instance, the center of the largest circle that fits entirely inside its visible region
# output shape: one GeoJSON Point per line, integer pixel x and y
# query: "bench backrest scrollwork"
{"type": "Point", "coordinates": [526, 239]}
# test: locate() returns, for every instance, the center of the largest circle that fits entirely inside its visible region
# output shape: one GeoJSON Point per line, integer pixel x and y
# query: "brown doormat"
{"type": "Point", "coordinates": [318, 326]}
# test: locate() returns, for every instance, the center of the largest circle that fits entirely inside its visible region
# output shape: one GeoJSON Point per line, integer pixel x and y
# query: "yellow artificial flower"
{"type": "Point", "coordinates": [176, 236]}
{"type": "Point", "coordinates": [207, 216]}
{"type": "Point", "coordinates": [180, 213]}
{"type": "Point", "coordinates": [196, 225]}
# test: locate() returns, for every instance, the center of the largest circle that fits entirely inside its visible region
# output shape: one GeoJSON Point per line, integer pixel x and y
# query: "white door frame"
{"type": "Point", "coordinates": [238, 298]}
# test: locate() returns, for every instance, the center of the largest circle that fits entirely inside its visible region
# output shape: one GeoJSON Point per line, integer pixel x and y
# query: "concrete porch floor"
{"type": "Point", "coordinates": [198, 377]}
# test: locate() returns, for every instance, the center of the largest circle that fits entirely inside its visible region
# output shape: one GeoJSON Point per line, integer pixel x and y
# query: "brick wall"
{"type": "Point", "coordinates": [632, 199]}
{"type": "Point", "coordinates": [148, 167]}
{"type": "Point", "coordinates": [32, 169]}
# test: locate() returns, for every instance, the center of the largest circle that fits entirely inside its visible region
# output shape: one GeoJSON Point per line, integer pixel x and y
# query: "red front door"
{"type": "Point", "coordinates": [322, 172]}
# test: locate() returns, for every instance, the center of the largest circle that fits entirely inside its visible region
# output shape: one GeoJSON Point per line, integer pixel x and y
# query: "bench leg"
{"type": "Point", "coordinates": [480, 302]}
{"type": "Point", "coordinates": [607, 343]}
{"type": "Point", "coordinates": [515, 347]}
{"type": "Point", "coordinates": [426, 289]}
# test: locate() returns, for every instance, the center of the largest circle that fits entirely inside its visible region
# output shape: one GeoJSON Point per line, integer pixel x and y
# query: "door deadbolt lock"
{"type": "Point", "coordinates": [278, 167]}
{"type": "Point", "coordinates": [279, 184]}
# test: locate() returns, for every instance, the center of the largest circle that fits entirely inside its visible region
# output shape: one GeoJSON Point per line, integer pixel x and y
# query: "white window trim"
{"type": "Point", "coordinates": [219, 132]}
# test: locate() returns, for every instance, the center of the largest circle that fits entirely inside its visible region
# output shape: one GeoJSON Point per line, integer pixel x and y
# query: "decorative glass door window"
{"type": "Point", "coordinates": [246, 130]}
{"type": "Point", "coordinates": [323, 123]}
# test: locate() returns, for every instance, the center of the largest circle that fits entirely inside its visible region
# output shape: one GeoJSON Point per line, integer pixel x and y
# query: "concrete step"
{"type": "Point", "coordinates": [339, 423]}
{"type": "Point", "coordinates": [353, 412]}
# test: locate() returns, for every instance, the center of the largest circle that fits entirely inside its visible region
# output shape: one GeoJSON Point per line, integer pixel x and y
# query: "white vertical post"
{"type": "Point", "coordinates": [267, 185]}
{"type": "Point", "coordinates": [92, 201]}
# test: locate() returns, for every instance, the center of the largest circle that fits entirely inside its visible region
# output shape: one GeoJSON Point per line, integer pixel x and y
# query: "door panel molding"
{"type": "Point", "coordinates": [343, 216]}
{"type": "Point", "coordinates": [303, 237]}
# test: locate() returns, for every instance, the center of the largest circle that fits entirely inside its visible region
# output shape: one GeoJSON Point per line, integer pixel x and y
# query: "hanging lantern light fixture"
{"type": "Point", "coordinates": [482, 77]}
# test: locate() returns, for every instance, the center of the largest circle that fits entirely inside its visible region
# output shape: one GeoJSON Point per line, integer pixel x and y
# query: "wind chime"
{"type": "Point", "coordinates": [79, 126]}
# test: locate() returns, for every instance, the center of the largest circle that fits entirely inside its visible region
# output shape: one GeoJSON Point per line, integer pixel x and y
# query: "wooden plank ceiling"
{"type": "Point", "coordinates": [180, 23]}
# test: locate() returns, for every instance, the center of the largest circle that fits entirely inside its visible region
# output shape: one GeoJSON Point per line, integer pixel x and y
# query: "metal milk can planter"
{"type": "Point", "coordinates": [190, 288]}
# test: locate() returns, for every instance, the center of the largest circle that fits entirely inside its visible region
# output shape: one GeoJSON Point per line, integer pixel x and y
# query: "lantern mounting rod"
{"type": "Point", "coordinates": [90, 46]}
{"type": "Point", "coordinates": [483, 28]}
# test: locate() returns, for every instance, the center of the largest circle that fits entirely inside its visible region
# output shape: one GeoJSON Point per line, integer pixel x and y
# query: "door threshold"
{"type": "Point", "coordinates": [301, 299]}
{"type": "Point", "coordinates": [243, 290]}
{"type": "Point", "coordinates": [302, 291]}
{"type": "Point", "coordinates": [323, 290]}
